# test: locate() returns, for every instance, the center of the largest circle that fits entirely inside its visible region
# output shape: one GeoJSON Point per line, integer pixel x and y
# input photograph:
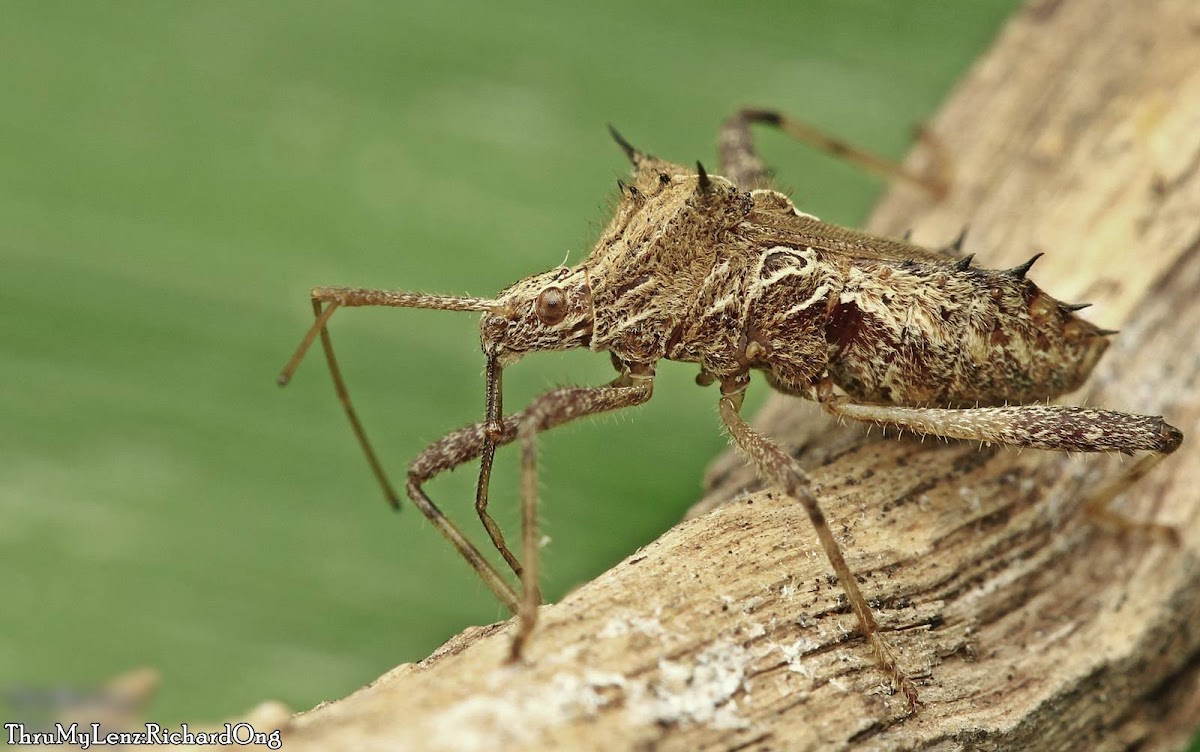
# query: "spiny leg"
{"type": "Point", "coordinates": [741, 164]}
{"type": "Point", "coordinates": [1056, 427]}
{"type": "Point", "coordinates": [550, 410]}
{"type": "Point", "coordinates": [466, 444]}
{"type": "Point", "coordinates": [447, 453]}
{"type": "Point", "coordinates": [492, 435]}
{"type": "Point", "coordinates": [781, 470]}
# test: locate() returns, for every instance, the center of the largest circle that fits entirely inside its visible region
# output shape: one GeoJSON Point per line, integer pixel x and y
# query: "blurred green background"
{"type": "Point", "coordinates": [173, 179]}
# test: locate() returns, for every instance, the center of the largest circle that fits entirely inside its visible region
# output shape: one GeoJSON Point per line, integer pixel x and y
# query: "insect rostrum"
{"type": "Point", "coordinates": [723, 271]}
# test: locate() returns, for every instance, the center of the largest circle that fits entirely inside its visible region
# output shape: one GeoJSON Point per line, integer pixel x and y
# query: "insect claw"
{"type": "Point", "coordinates": [1107, 332]}
{"type": "Point", "coordinates": [1073, 306]}
{"type": "Point", "coordinates": [1018, 272]}
{"type": "Point", "coordinates": [705, 183]}
{"type": "Point", "coordinates": [964, 263]}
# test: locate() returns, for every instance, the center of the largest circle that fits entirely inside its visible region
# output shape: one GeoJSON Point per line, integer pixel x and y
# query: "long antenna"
{"type": "Point", "coordinates": [361, 297]}
{"type": "Point", "coordinates": [357, 297]}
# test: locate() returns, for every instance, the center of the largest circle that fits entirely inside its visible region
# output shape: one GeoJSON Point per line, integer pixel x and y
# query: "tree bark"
{"type": "Point", "coordinates": [1025, 626]}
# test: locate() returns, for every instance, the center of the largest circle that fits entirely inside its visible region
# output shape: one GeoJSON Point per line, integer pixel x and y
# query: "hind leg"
{"type": "Point", "coordinates": [1055, 427]}
{"type": "Point", "coordinates": [782, 471]}
{"type": "Point", "coordinates": [741, 164]}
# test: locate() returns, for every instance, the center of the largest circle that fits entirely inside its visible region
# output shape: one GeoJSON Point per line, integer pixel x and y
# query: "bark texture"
{"type": "Point", "coordinates": [1026, 627]}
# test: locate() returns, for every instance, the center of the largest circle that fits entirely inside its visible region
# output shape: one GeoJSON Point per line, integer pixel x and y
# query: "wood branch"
{"type": "Point", "coordinates": [1025, 626]}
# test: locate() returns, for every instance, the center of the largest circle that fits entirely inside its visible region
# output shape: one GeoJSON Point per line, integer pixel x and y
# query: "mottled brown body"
{"type": "Point", "coordinates": [725, 272]}
{"type": "Point", "coordinates": [765, 287]}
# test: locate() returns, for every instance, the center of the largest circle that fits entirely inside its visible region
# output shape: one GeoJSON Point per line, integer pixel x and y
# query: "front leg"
{"type": "Point", "coordinates": [447, 453]}
{"type": "Point", "coordinates": [547, 411]}
{"type": "Point", "coordinates": [782, 471]}
{"type": "Point", "coordinates": [466, 444]}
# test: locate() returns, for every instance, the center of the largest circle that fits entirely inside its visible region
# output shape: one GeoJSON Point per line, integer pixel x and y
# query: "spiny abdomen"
{"type": "Point", "coordinates": [928, 333]}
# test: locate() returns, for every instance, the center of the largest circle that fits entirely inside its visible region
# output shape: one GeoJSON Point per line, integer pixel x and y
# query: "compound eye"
{"type": "Point", "coordinates": [551, 306]}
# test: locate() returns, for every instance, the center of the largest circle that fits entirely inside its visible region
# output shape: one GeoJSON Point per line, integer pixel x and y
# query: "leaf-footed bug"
{"type": "Point", "coordinates": [723, 271]}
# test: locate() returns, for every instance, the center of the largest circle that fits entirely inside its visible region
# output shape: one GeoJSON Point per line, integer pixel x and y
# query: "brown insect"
{"type": "Point", "coordinates": [725, 272]}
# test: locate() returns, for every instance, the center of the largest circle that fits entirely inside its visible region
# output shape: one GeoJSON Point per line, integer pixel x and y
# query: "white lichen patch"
{"type": "Point", "coordinates": [754, 631]}
{"type": "Point", "coordinates": [971, 495]}
{"type": "Point", "coordinates": [794, 653]}
{"type": "Point", "coordinates": [632, 623]}
{"type": "Point", "coordinates": [515, 712]}
{"type": "Point", "coordinates": [698, 689]}
{"type": "Point", "coordinates": [509, 717]}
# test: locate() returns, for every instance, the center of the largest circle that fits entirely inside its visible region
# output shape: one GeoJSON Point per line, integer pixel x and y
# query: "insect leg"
{"type": "Point", "coordinates": [1096, 505]}
{"type": "Point", "coordinates": [547, 411]}
{"type": "Point", "coordinates": [738, 156]}
{"type": "Point", "coordinates": [466, 444]}
{"type": "Point", "coordinates": [447, 453]}
{"type": "Point", "coordinates": [780, 469]}
{"type": "Point", "coordinates": [348, 297]}
{"type": "Point", "coordinates": [486, 458]}
{"type": "Point", "coordinates": [1057, 427]}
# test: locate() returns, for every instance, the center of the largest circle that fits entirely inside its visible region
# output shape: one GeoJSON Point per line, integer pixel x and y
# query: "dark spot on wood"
{"type": "Point", "coordinates": [999, 518]}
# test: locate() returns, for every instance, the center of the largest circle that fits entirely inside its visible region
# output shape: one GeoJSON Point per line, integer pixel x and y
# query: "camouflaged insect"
{"type": "Point", "coordinates": [725, 272]}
